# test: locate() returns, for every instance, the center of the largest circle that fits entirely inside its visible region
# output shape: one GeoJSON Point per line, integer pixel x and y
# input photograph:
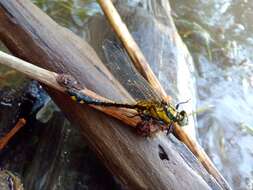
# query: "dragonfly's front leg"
{"type": "Point", "coordinates": [148, 126]}
{"type": "Point", "coordinates": [170, 128]}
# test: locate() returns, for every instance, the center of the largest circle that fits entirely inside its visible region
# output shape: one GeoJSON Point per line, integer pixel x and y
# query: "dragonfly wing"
{"type": "Point", "coordinates": [122, 68]}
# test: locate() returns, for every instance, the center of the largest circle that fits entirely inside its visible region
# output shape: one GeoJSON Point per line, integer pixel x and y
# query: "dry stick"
{"type": "Point", "coordinates": [4, 140]}
{"type": "Point", "coordinates": [201, 155]}
{"type": "Point", "coordinates": [143, 67]}
{"type": "Point", "coordinates": [49, 78]}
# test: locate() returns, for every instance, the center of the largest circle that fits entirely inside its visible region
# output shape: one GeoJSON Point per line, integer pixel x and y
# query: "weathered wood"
{"type": "Point", "coordinates": [139, 163]}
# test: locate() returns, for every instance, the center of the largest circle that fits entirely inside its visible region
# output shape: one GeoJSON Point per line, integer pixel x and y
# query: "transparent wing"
{"type": "Point", "coordinates": [121, 67]}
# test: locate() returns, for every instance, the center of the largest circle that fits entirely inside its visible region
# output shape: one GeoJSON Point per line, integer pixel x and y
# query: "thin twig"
{"type": "Point", "coordinates": [4, 140]}
{"type": "Point", "coordinates": [50, 79]}
{"type": "Point", "coordinates": [143, 67]}
{"type": "Point", "coordinates": [32, 71]}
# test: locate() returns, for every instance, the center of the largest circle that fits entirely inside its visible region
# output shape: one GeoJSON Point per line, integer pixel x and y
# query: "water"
{"type": "Point", "coordinates": [224, 82]}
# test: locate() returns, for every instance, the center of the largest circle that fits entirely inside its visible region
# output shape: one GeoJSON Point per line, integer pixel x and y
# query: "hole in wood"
{"type": "Point", "coordinates": [162, 154]}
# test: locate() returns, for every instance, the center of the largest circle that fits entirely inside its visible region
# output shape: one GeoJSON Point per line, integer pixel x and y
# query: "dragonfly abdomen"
{"type": "Point", "coordinates": [84, 99]}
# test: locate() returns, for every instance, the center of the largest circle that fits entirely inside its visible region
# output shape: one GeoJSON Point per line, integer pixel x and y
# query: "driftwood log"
{"type": "Point", "coordinates": [139, 163]}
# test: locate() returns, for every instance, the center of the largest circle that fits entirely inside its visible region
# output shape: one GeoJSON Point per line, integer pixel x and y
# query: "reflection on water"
{"type": "Point", "coordinates": [224, 82]}
{"type": "Point", "coordinates": [69, 13]}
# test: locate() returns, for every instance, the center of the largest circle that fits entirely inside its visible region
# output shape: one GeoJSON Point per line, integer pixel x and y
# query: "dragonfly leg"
{"type": "Point", "coordinates": [170, 129]}
{"type": "Point", "coordinates": [147, 128]}
{"type": "Point", "coordinates": [178, 104]}
{"type": "Point", "coordinates": [149, 125]}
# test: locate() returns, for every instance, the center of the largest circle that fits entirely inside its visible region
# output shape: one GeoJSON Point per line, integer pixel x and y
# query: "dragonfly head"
{"type": "Point", "coordinates": [174, 115]}
{"type": "Point", "coordinates": [182, 118]}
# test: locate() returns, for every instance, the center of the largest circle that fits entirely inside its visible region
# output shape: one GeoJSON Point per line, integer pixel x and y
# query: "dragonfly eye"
{"type": "Point", "coordinates": [182, 118]}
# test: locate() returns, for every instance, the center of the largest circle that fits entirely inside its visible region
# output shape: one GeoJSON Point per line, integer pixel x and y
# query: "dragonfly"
{"type": "Point", "coordinates": [149, 105]}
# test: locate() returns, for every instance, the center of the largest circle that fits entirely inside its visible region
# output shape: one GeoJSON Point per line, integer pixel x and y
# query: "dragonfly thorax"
{"type": "Point", "coordinates": [161, 111]}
